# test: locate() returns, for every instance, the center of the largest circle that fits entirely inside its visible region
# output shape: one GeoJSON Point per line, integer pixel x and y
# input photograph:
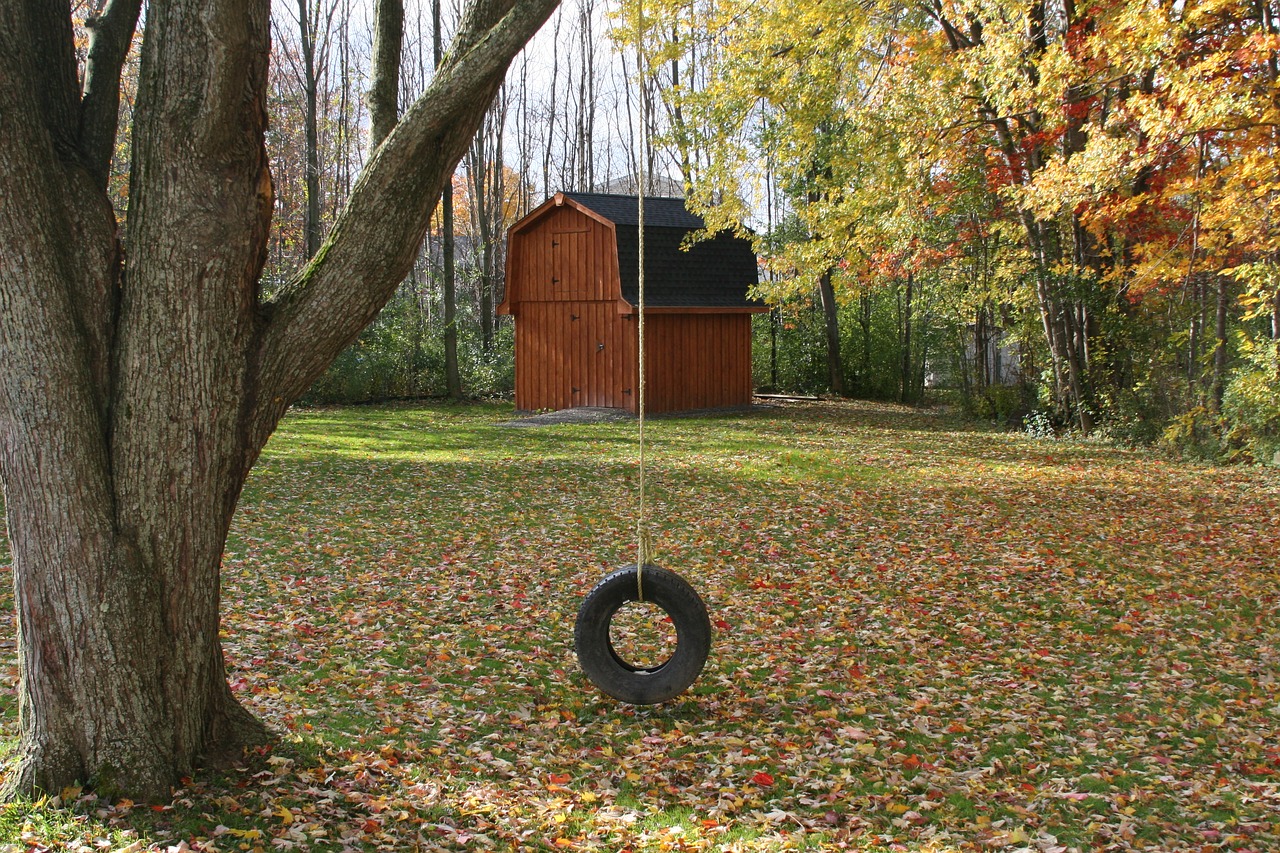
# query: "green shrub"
{"type": "Point", "coordinates": [1196, 434]}
{"type": "Point", "coordinates": [1251, 406]}
{"type": "Point", "coordinates": [1002, 404]}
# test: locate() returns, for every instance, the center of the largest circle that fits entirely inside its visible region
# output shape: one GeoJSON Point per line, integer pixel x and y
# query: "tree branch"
{"type": "Point", "coordinates": [384, 88]}
{"type": "Point", "coordinates": [110, 35]}
{"type": "Point", "coordinates": [374, 241]}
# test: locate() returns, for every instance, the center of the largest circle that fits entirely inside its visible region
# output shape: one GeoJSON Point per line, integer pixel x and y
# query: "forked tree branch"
{"type": "Point", "coordinates": [375, 239]}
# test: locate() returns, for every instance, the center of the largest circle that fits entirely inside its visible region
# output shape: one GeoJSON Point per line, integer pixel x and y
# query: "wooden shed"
{"type": "Point", "coordinates": [572, 285]}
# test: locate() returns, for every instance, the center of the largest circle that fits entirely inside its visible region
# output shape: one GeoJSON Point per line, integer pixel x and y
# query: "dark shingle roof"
{"type": "Point", "coordinates": [713, 273]}
{"type": "Point", "coordinates": [625, 210]}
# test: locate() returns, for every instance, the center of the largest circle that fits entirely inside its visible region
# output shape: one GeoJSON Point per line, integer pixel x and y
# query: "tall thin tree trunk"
{"type": "Point", "coordinates": [905, 382]}
{"type": "Point", "coordinates": [310, 97]}
{"type": "Point", "coordinates": [831, 321]}
{"type": "Point", "coordinates": [384, 85]}
{"type": "Point", "coordinates": [773, 348]}
{"type": "Point", "coordinates": [448, 288]}
{"type": "Point", "coordinates": [1219, 385]}
{"type": "Point", "coordinates": [1193, 340]}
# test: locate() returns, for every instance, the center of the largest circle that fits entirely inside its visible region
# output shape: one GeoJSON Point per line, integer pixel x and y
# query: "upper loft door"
{"type": "Point", "coordinates": [571, 264]}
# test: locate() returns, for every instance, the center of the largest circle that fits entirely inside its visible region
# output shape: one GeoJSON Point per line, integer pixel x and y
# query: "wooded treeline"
{"type": "Point", "coordinates": [1084, 191]}
{"type": "Point", "coordinates": [1062, 213]}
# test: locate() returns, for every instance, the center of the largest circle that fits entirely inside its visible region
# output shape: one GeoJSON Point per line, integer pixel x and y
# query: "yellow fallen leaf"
{"type": "Point", "coordinates": [286, 816]}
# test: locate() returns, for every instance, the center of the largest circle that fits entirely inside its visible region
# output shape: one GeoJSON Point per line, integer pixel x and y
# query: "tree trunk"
{"type": "Point", "coordinates": [133, 409]}
{"type": "Point", "coordinates": [449, 296]}
{"type": "Point", "coordinates": [449, 284]}
{"type": "Point", "coordinates": [773, 348]}
{"type": "Point", "coordinates": [384, 85]}
{"type": "Point", "coordinates": [831, 318]}
{"type": "Point", "coordinates": [905, 387]}
{"type": "Point", "coordinates": [1193, 340]}
{"type": "Point", "coordinates": [311, 143]}
{"type": "Point", "coordinates": [865, 313]}
{"type": "Point", "coordinates": [1220, 345]}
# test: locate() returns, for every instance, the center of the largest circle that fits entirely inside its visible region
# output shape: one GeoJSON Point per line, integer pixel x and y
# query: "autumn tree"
{"type": "Point", "coordinates": [134, 405]}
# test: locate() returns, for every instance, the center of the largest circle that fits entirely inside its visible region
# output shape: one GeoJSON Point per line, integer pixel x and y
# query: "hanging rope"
{"type": "Point", "coordinates": [643, 544]}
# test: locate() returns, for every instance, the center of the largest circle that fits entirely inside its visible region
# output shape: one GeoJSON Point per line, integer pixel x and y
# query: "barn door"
{"type": "Point", "coordinates": [570, 266]}
{"type": "Point", "coordinates": [594, 354]}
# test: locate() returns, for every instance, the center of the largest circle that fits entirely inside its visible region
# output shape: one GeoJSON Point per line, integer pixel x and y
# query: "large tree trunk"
{"type": "Point", "coordinates": [132, 409]}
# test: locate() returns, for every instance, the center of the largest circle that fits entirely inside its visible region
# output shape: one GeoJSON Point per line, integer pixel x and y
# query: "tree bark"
{"type": "Point", "coordinates": [132, 409]}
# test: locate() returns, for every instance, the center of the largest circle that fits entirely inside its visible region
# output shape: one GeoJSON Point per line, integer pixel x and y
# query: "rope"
{"type": "Point", "coordinates": [643, 543]}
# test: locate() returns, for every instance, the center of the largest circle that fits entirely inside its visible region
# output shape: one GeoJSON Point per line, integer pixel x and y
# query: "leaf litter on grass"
{"type": "Point", "coordinates": [926, 638]}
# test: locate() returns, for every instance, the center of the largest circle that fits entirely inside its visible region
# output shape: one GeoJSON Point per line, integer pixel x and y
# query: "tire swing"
{"type": "Point", "coordinates": [618, 677]}
{"type": "Point", "coordinates": [643, 582]}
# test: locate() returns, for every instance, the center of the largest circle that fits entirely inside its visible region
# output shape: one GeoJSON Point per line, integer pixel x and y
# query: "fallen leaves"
{"type": "Point", "coordinates": [936, 639]}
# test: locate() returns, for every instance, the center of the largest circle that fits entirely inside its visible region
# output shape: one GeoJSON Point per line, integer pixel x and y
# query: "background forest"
{"type": "Point", "coordinates": [1062, 215]}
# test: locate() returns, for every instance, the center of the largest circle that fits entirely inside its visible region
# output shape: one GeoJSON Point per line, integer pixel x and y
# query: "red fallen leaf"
{"type": "Point", "coordinates": [763, 779]}
{"type": "Point", "coordinates": [559, 778]}
{"type": "Point", "coordinates": [722, 625]}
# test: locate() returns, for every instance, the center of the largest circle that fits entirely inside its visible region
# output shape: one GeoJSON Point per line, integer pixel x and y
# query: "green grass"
{"type": "Point", "coordinates": [927, 636]}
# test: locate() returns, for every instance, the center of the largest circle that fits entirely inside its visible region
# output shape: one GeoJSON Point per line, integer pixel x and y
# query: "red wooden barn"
{"type": "Point", "coordinates": [572, 284]}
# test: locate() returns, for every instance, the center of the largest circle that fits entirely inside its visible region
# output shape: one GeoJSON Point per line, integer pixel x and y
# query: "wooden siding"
{"type": "Point", "coordinates": [566, 255]}
{"type": "Point", "coordinates": [697, 361]}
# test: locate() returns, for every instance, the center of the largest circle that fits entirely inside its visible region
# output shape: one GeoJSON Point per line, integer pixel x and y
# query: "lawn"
{"type": "Point", "coordinates": [927, 637]}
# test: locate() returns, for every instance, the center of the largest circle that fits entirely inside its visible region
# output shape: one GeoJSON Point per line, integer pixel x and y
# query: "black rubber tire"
{"type": "Point", "coordinates": [615, 676]}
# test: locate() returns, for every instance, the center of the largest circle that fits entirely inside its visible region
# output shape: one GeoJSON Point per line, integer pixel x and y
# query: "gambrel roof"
{"type": "Point", "coordinates": [713, 273]}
